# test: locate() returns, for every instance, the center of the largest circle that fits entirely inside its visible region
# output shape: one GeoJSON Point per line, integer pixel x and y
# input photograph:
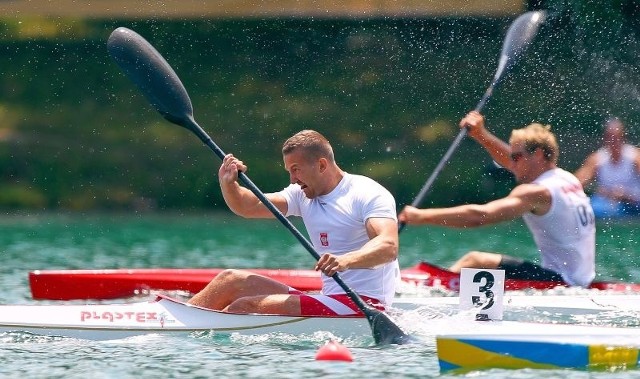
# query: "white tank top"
{"type": "Point", "coordinates": [566, 234]}
{"type": "Point", "coordinates": [622, 174]}
{"type": "Point", "coordinates": [335, 223]}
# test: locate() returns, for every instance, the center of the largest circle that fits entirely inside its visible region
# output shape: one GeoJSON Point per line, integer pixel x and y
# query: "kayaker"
{"type": "Point", "coordinates": [350, 219]}
{"type": "Point", "coordinates": [549, 199]}
{"type": "Point", "coordinates": [615, 170]}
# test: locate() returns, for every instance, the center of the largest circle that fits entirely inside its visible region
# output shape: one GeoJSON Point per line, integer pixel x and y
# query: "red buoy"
{"type": "Point", "coordinates": [333, 351]}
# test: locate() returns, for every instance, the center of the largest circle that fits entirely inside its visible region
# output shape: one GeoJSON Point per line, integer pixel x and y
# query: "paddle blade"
{"type": "Point", "coordinates": [151, 73]}
{"type": "Point", "coordinates": [520, 34]}
{"type": "Point", "coordinates": [385, 331]}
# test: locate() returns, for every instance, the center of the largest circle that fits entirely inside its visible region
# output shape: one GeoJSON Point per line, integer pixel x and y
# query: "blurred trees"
{"type": "Point", "coordinates": [75, 134]}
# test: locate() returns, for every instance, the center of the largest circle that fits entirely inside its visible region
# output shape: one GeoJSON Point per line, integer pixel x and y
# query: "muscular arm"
{"type": "Point", "coordinates": [241, 200]}
{"type": "Point", "coordinates": [522, 199]}
{"type": "Point", "coordinates": [244, 203]}
{"type": "Point", "coordinates": [381, 248]}
{"type": "Point", "coordinates": [499, 150]}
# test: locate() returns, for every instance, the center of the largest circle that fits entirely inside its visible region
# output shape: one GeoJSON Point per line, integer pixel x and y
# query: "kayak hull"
{"type": "Point", "coordinates": [161, 315]}
{"type": "Point", "coordinates": [121, 283]}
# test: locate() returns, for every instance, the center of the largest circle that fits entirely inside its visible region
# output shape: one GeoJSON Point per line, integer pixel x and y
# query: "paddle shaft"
{"type": "Point", "coordinates": [520, 33]}
{"type": "Point", "coordinates": [445, 158]}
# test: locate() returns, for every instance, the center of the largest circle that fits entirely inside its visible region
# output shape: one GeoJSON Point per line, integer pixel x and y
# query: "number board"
{"type": "Point", "coordinates": [482, 289]}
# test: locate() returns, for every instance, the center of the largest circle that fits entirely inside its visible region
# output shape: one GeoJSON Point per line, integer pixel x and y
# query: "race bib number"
{"type": "Point", "coordinates": [483, 290]}
{"type": "Point", "coordinates": [585, 215]}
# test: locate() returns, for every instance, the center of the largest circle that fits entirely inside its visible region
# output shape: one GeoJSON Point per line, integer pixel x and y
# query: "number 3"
{"type": "Point", "coordinates": [484, 288]}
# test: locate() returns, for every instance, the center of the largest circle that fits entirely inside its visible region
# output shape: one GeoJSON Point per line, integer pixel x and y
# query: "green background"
{"type": "Point", "coordinates": [75, 134]}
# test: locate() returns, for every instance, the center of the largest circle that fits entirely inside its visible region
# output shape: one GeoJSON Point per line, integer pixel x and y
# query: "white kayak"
{"type": "Point", "coordinates": [167, 315]}
{"type": "Point", "coordinates": [160, 315]}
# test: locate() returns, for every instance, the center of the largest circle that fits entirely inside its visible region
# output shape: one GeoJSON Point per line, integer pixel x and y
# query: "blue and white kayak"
{"type": "Point", "coordinates": [513, 345]}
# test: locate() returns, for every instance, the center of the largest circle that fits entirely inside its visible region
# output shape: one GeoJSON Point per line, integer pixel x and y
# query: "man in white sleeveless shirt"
{"type": "Point", "coordinates": [615, 170]}
{"type": "Point", "coordinates": [550, 200]}
{"type": "Point", "coordinates": [351, 221]}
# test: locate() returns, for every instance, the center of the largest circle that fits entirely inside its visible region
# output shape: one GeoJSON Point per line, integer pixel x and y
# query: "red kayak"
{"type": "Point", "coordinates": [121, 283]}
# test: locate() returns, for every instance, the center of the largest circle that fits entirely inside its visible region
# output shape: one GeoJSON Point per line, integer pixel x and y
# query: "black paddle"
{"type": "Point", "coordinates": [155, 78]}
{"type": "Point", "coordinates": [518, 38]}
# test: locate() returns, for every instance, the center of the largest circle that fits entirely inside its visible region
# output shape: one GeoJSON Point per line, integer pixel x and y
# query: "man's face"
{"type": "Point", "coordinates": [614, 135]}
{"type": "Point", "coordinates": [304, 172]}
{"type": "Point", "coordinates": [523, 162]}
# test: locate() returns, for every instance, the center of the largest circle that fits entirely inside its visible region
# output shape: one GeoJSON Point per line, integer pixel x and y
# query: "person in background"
{"type": "Point", "coordinates": [549, 199]}
{"type": "Point", "coordinates": [615, 170]}
{"type": "Point", "coordinates": [351, 221]}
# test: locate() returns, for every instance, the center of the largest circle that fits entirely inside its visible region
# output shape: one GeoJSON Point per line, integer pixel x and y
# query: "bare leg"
{"type": "Point", "coordinates": [477, 259]}
{"type": "Point", "coordinates": [269, 304]}
{"type": "Point", "coordinates": [231, 285]}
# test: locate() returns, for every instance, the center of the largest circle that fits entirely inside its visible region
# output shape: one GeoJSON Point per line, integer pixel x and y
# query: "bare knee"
{"type": "Point", "coordinates": [231, 285]}
{"type": "Point", "coordinates": [242, 305]}
{"type": "Point", "coordinates": [220, 291]}
{"type": "Point", "coordinates": [473, 256]}
{"type": "Point", "coordinates": [470, 259]}
{"type": "Point", "coordinates": [230, 277]}
{"type": "Point", "coordinates": [235, 284]}
{"type": "Point", "coordinates": [476, 259]}
{"type": "Point", "coordinates": [268, 304]}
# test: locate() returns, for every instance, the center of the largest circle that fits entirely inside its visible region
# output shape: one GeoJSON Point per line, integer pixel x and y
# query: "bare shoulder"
{"type": "Point", "coordinates": [538, 197]}
{"type": "Point", "coordinates": [529, 189]}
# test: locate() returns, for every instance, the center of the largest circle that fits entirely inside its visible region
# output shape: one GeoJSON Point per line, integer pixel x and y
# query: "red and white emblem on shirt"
{"type": "Point", "coordinates": [324, 239]}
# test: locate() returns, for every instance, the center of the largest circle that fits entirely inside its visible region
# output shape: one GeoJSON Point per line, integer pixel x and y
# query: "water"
{"type": "Point", "coordinates": [48, 241]}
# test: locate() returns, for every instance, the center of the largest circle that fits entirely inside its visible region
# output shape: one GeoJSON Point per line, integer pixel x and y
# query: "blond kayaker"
{"type": "Point", "coordinates": [549, 199]}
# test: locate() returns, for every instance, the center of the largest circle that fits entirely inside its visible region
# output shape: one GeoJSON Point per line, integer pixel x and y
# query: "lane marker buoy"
{"type": "Point", "coordinates": [334, 351]}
